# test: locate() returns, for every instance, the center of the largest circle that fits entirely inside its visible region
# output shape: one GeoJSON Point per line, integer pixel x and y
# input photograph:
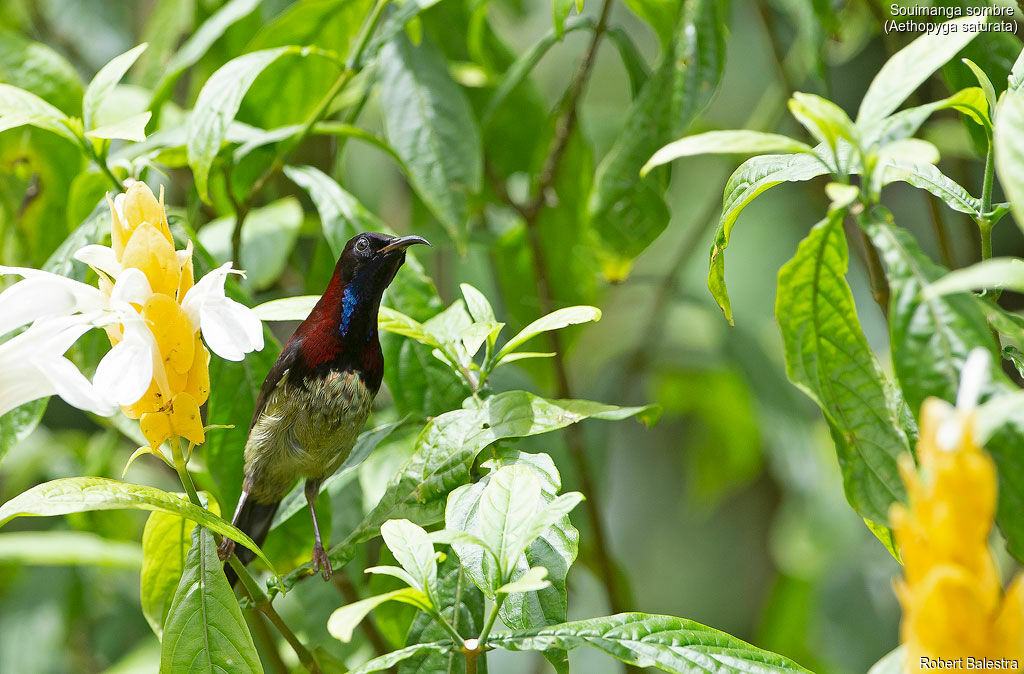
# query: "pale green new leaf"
{"type": "Point", "coordinates": [828, 358]}
{"type": "Point", "coordinates": [395, 321]}
{"type": "Point", "coordinates": [345, 619]}
{"type": "Point", "coordinates": [287, 308]}
{"type": "Point", "coordinates": [395, 572]}
{"type": "Point", "coordinates": [665, 642]}
{"type": "Point", "coordinates": [68, 548]}
{"type": "Point", "coordinates": [507, 506]}
{"type": "Point", "coordinates": [19, 107]}
{"type": "Point", "coordinates": [82, 494]}
{"type": "Point", "coordinates": [997, 273]}
{"type": "Point", "coordinates": [104, 81]}
{"type": "Point", "coordinates": [724, 142]}
{"type": "Point", "coordinates": [477, 305]}
{"type": "Point", "coordinates": [909, 67]}
{"type": "Point", "coordinates": [553, 321]}
{"type": "Point", "coordinates": [205, 630]}
{"type": "Point", "coordinates": [411, 546]}
{"type": "Point", "coordinates": [1008, 143]}
{"type": "Point", "coordinates": [985, 83]}
{"type": "Point", "coordinates": [131, 128]}
{"type": "Point", "coordinates": [825, 120]}
{"type": "Point", "coordinates": [905, 123]}
{"type": "Point", "coordinates": [389, 660]}
{"type": "Point", "coordinates": [531, 581]}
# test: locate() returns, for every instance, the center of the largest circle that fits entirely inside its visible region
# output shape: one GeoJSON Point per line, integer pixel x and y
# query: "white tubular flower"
{"type": "Point", "coordinates": [44, 295]}
{"type": "Point", "coordinates": [124, 373]}
{"type": "Point", "coordinates": [230, 329]}
{"type": "Point", "coordinates": [32, 365]}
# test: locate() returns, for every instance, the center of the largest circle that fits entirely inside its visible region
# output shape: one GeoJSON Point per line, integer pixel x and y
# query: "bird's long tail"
{"type": "Point", "coordinates": [254, 519]}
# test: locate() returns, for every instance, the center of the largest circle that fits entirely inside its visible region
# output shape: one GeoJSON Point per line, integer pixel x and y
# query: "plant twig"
{"type": "Point", "coordinates": [531, 211]}
{"type": "Point", "coordinates": [263, 635]}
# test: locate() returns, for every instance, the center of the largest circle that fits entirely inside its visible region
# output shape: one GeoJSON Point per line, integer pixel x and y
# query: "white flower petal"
{"type": "Point", "coordinates": [131, 287]}
{"type": "Point", "coordinates": [73, 387]}
{"type": "Point", "coordinates": [32, 299]}
{"type": "Point", "coordinates": [101, 258]}
{"type": "Point", "coordinates": [21, 384]}
{"type": "Point", "coordinates": [223, 334]}
{"type": "Point", "coordinates": [119, 206]}
{"type": "Point", "coordinates": [123, 375]}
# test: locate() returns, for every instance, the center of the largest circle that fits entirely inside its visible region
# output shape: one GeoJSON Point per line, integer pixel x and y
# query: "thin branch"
{"type": "Point", "coordinates": [266, 639]}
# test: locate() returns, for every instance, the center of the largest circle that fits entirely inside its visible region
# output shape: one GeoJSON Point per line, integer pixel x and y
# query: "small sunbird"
{"type": "Point", "coordinates": [318, 394]}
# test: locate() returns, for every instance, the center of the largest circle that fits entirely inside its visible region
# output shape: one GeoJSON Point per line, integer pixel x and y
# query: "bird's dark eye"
{"type": "Point", "coordinates": [362, 245]}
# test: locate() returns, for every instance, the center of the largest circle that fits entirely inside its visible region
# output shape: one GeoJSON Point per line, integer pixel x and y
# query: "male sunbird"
{"type": "Point", "coordinates": [316, 397]}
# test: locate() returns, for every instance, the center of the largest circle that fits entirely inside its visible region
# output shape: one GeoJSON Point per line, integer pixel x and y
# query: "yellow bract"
{"type": "Point", "coordinates": [141, 238]}
{"type": "Point", "coordinates": [952, 598]}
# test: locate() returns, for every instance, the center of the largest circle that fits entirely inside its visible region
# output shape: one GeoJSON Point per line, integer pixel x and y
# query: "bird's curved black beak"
{"type": "Point", "coordinates": [402, 243]}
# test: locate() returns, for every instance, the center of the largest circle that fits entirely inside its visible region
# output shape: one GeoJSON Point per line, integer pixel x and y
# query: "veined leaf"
{"type": "Point", "coordinates": [531, 581]}
{"type": "Point", "coordinates": [829, 359]}
{"type": "Point", "coordinates": [997, 273]}
{"type": "Point", "coordinates": [724, 142]}
{"type": "Point", "coordinates": [412, 548]}
{"type": "Point", "coordinates": [37, 68]}
{"type": "Point", "coordinates": [205, 630]}
{"type": "Point", "coordinates": [18, 423]}
{"type": "Point", "coordinates": [905, 123]}
{"type": "Point", "coordinates": [753, 177]}
{"type": "Point", "coordinates": [106, 79]}
{"type": "Point", "coordinates": [449, 444]}
{"type": "Point", "coordinates": [389, 660]}
{"type": "Point", "coordinates": [82, 494]}
{"type": "Point", "coordinates": [1008, 145]}
{"type": "Point", "coordinates": [553, 321]}
{"type": "Point", "coordinates": [344, 620]}
{"type": "Point", "coordinates": [131, 128]}
{"type": "Point", "coordinates": [985, 83]}
{"type": "Point", "coordinates": [908, 68]}
{"type": "Point", "coordinates": [60, 548]}
{"type": "Point", "coordinates": [19, 107]}
{"type": "Point", "coordinates": [431, 126]}
{"type": "Point", "coordinates": [825, 120]}
{"type": "Point", "coordinates": [509, 501]}
{"type": "Point", "coordinates": [929, 177]}
{"type": "Point", "coordinates": [668, 643]}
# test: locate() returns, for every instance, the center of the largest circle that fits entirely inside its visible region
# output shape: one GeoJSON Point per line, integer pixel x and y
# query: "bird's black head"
{"type": "Point", "coordinates": [371, 260]}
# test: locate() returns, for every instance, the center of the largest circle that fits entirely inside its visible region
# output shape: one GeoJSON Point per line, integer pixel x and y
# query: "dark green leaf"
{"type": "Point", "coordinates": [431, 126]}
{"type": "Point", "coordinates": [391, 659]}
{"type": "Point", "coordinates": [166, 541]}
{"type": "Point", "coordinates": [829, 359]}
{"type": "Point", "coordinates": [34, 67]}
{"type": "Point", "coordinates": [18, 423]}
{"type": "Point", "coordinates": [205, 630]}
{"type": "Point", "coordinates": [668, 643]}
{"type": "Point", "coordinates": [1008, 145]}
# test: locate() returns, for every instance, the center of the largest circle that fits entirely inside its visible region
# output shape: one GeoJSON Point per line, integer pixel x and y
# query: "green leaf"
{"type": "Point", "coordinates": [82, 494]}
{"type": "Point", "coordinates": [825, 120]}
{"type": "Point", "coordinates": [477, 305]}
{"type": "Point", "coordinates": [447, 447]}
{"type": "Point", "coordinates": [559, 13]}
{"type": "Point", "coordinates": [668, 643]}
{"type": "Point", "coordinates": [166, 541]}
{"type": "Point", "coordinates": [998, 273]}
{"type": "Point", "coordinates": [217, 105]}
{"type": "Point", "coordinates": [829, 359]}
{"type": "Point", "coordinates": [508, 503]}
{"type": "Point", "coordinates": [267, 136]}
{"type": "Point", "coordinates": [412, 548]}
{"type": "Point", "coordinates": [753, 177]}
{"type": "Point", "coordinates": [345, 619]}
{"type": "Point", "coordinates": [1008, 145]}
{"type": "Point", "coordinates": [969, 101]}
{"type": "Point", "coordinates": [398, 323]}
{"type": "Point", "coordinates": [104, 81]}
{"type": "Point", "coordinates": [269, 235]}
{"type": "Point", "coordinates": [199, 42]}
{"type": "Point", "coordinates": [724, 142]}
{"type": "Point", "coordinates": [660, 14]}
{"type": "Point", "coordinates": [287, 308]}
{"type": "Point", "coordinates": [929, 177]}
{"type": "Point", "coordinates": [985, 83]}
{"type": "Point", "coordinates": [389, 660]}
{"type": "Point", "coordinates": [628, 216]}
{"type": "Point", "coordinates": [19, 107]}
{"type": "Point", "coordinates": [909, 67]}
{"type": "Point", "coordinates": [205, 630]}
{"type": "Point", "coordinates": [430, 125]}
{"type": "Point", "coordinates": [67, 548]}
{"type": "Point", "coordinates": [631, 58]}
{"type": "Point", "coordinates": [531, 581]}
{"type": "Point", "coordinates": [130, 128]}
{"type": "Point", "coordinates": [1016, 78]}
{"type": "Point", "coordinates": [18, 423]}
{"type": "Point", "coordinates": [553, 321]}
{"type": "Point", "coordinates": [37, 68]}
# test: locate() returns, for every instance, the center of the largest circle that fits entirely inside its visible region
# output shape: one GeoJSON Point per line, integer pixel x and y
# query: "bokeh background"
{"type": "Point", "coordinates": [729, 512]}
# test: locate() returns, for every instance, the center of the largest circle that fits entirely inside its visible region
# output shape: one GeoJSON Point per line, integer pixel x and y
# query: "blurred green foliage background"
{"type": "Point", "coordinates": [729, 512]}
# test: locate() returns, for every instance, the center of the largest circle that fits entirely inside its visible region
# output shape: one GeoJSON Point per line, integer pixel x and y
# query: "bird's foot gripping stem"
{"type": "Point", "coordinates": [225, 549]}
{"type": "Point", "coordinates": [321, 562]}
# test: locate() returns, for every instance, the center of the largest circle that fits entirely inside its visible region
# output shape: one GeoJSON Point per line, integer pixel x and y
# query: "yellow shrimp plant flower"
{"type": "Point", "coordinates": [955, 613]}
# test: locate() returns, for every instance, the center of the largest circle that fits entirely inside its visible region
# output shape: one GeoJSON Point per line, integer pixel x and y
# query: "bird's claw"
{"type": "Point", "coordinates": [224, 550]}
{"type": "Point", "coordinates": [321, 562]}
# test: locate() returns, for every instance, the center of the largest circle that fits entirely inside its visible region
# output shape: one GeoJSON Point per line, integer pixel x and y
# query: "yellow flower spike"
{"type": "Point", "coordinates": [187, 272]}
{"type": "Point", "coordinates": [119, 232]}
{"type": "Point", "coordinates": [151, 401]}
{"type": "Point", "coordinates": [180, 419]}
{"type": "Point", "coordinates": [141, 206]}
{"type": "Point", "coordinates": [174, 334]}
{"type": "Point", "coordinates": [149, 251]}
{"type": "Point", "coordinates": [198, 385]}
{"type": "Point", "coordinates": [951, 594]}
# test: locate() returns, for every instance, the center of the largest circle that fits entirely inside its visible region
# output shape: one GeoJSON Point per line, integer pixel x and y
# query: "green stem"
{"type": "Point", "coordinates": [491, 618]}
{"type": "Point", "coordinates": [262, 602]}
{"type": "Point", "coordinates": [452, 632]}
{"type": "Point", "coordinates": [986, 238]}
{"type": "Point", "coordinates": [364, 35]}
{"type": "Point", "coordinates": [183, 474]}
{"type": "Point", "coordinates": [986, 188]}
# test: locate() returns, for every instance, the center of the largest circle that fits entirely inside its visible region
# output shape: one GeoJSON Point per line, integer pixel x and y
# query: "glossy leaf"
{"type": "Point", "coordinates": [667, 643]}
{"type": "Point", "coordinates": [37, 68]}
{"type": "Point", "coordinates": [829, 359]}
{"type": "Point", "coordinates": [82, 494]}
{"type": "Point", "coordinates": [104, 82]}
{"type": "Point", "coordinates": [752, 178]}
{"type": "Point", "coordinates": [393, 658]}
{"type": "Point", "coordinates": [553, 321]}
{"type": "Point", "coordinates": [724, 142]}
{"type": "Point", "coordinates": [928, 177]}
{"type": "Point", "coordinates": [166, 541]}
{"type": "Point", "coordinates": [998, 273]}
{"type": "Point", "coordinates": [531, 581]}
{"type": "Point", "coordinates": [430, 125]}
{"type": "Point", "coordinates": [825, 120]}
{"type": "Point", "coordinates": [412, 548]}
{"type": "Point", "coordinates": [909, 67]}
{"type": "Point", "coordinates": [19, 107]}
{"type": "Point", "coordinates": [18, 423]}
{"type": "Point", "coordinates": [343, 621]}
{"type": "Point", "coordinates": [205, 630]}
{"type": "Point", "coordinates": [131, 128]}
